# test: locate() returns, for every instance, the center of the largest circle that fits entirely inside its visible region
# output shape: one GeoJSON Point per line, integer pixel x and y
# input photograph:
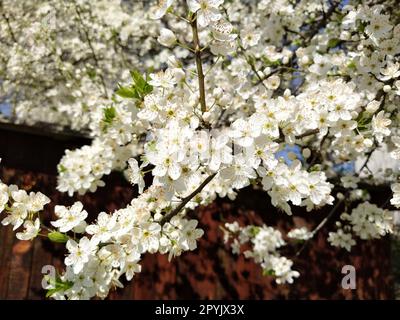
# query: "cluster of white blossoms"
{"type": "Point", "coordinates": [264, 243]}
{"type": "Point", "coordinates": [112, 246]}
{"type": "Point", "coordinates": [366, 221]}
{"type": "Point", "coordinates": [301, 234]}
{"type": "Point", "coordinates": [396, 195]}
{"type": "Point", "coordinates": [220, 95]}
{"type": "Point", "coordinates": [100, 253]}
{"type": "Point", "coordinates": [22, 209]}
{"type": "Point", "coordinates": [81, 170]}
{"type": "Point", "coordinates": [59, 60]}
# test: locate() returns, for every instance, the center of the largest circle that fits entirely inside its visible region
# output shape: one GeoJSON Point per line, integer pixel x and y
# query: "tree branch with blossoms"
{"type": "Point", "coordinates": [199, 65]}
{"type": "Point", "coordinates": [182, 205]}
{"type": "Point", "coordinates": [299, 100]}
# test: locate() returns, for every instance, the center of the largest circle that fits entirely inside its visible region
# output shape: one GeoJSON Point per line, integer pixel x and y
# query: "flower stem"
{"type": "Point", "coordinates": [174, 212]}
{"type": "Point", "coordinates": [199, 65]}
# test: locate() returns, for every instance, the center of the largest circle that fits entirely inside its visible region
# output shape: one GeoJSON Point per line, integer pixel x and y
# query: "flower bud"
{"type": "Point", "coordinates": [225, 99]}
{"type": "Point", "coordinates": [354, 114]}
{"type": "Point", "coordinates": [285, 60]}
{"type": "Point", "coordinates": [306, 153]}
{"type": "Point", "coordinates": [287, 93]}
{"type": "Point", "coordinates": [267, 71]}
{"type": "Point", "coordinates": [167, 37]}
{"type": "Point", "coordinates": [368, 143]}
{"type": "Point", "coordinates": [206, 116]}
{"type": "Point", "coordinates": [158, 216]}
{"type": "Point", "coordinates": [340, 196]}
{"type": "Point", "coordinates": [345, 35]}
{"type": "Point", "coordinates": [387, 88]}
{"type": "Point", "coordinates": [58, 237]}
{"type": "Point", "coordinates": [305, 59]}
{"type": "Point", "coordinates": [372, 106]}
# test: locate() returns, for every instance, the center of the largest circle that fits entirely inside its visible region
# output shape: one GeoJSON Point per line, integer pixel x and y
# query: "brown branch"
{"type": "Point", "coordinates": [13, 37]}
{"type": "Point", "coordinates": [242, 51]}
{"type": "Point", "coordinates": [365, 164]}
{"type": "Point", "coordinates": [174, 212]}
{"type": "Point", "coordinates": [303, 135]}
{"type": "Point", "coordinates": [199, 64]}
{"type": "Point", "coordinates": [254, 69]}
{"type": "Point", "coordinates": [334, 209]}
{"type": "Point", "coordinates": [307, 133]}
{"type": "Point", "coordinates": [322, 23]}
{"type": "Point", "coordinates": [315, 156]}
{"type": "Point", "coordinates": [320, 225]}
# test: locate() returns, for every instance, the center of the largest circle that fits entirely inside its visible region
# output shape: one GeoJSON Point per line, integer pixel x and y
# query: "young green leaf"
{"type": "Point", "coordinates": [127, 92]}
{"type": "Point", "coordinates": [58, 237]}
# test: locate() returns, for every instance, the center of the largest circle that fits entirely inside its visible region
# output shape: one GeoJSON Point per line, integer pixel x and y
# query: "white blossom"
{"type": "Point", "coordinates": [167, 37]}
{"type": "Point", "coordinates": [69, 218]}
{"type": "Point", "coordinates": [31, 230]}
{"type": "Point", "coordinates": [207, 10]}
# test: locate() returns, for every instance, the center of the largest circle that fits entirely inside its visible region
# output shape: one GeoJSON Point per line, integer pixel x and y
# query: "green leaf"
{"type": "Point", "coordinates": [61, 168]}
{"type": "Point", "coordinates": [109, 114]}
{"type": "Point", "coordinates": [271, 63]}
{"type": "Point", "coordinates": [147, 89]}
{"type": "Point", "coordinates": [141, 85]}
{"type": "Point", "coordinates": [91, 73]}
{"type": "Point", "coordinates": [58, 237]}
{"type": "Point", "coordinates": [137, 78]}
{"type": "Point", "coordinates": [51, 292]}
{"type": "Point", "coordinates": [332, 43]}
{"type": "Point", "coordinates": [152, 145]}
{"type": "Point", "coordinates": [352, 65]}
{"type": "Point", "coordinates": [58, 285]}
{"type": "Point", "coordinates": [254, 230]}
{"type": "Point", "coordinates": [363, 121]}
{"type": "Point", "coordinates": [297, 42]}
{"type": "Point", "coordinates": [315, 167]}
{"type": "Point", "coordinates": [268, 272]}
{"type": "Point", "coordinates": [138, 90]}
{"type": "Point", "coordinates": [114, 33]}
{"type": "Point", "coordinates": [361, 27]}
{"type": "Point", "coordinates": [126, 92]}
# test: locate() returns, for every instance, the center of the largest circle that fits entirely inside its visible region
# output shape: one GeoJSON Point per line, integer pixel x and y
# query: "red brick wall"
{"type": "Point", "coordinates": [210, 272]}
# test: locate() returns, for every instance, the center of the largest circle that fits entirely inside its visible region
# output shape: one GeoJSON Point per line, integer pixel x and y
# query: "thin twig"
{"type": "Point", "coordinates": [252, 65]}
{"type": "Point", "coordinates": [315, 156]}
{"type": "Point", "coordinates": [13, 37]}
{"type": "Point", "coordinates": [174, 212]}
{"type": "Point", "coordinates": [365, 164]}
{"type": "Point", "coordinates": [199, 64]}
{"type": "Point", "coordinates": [307, 133]}
{"type": "Point", "coordinates": [322, 23]}
{"type": "Point", "coordinates": [320, 225]}
{"type": "Point", "coordinates": [303, 135]}
{"type": "Point", "coordinates": [334, 209]}
{"type": "Point", "coordinates": [89, 41]}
